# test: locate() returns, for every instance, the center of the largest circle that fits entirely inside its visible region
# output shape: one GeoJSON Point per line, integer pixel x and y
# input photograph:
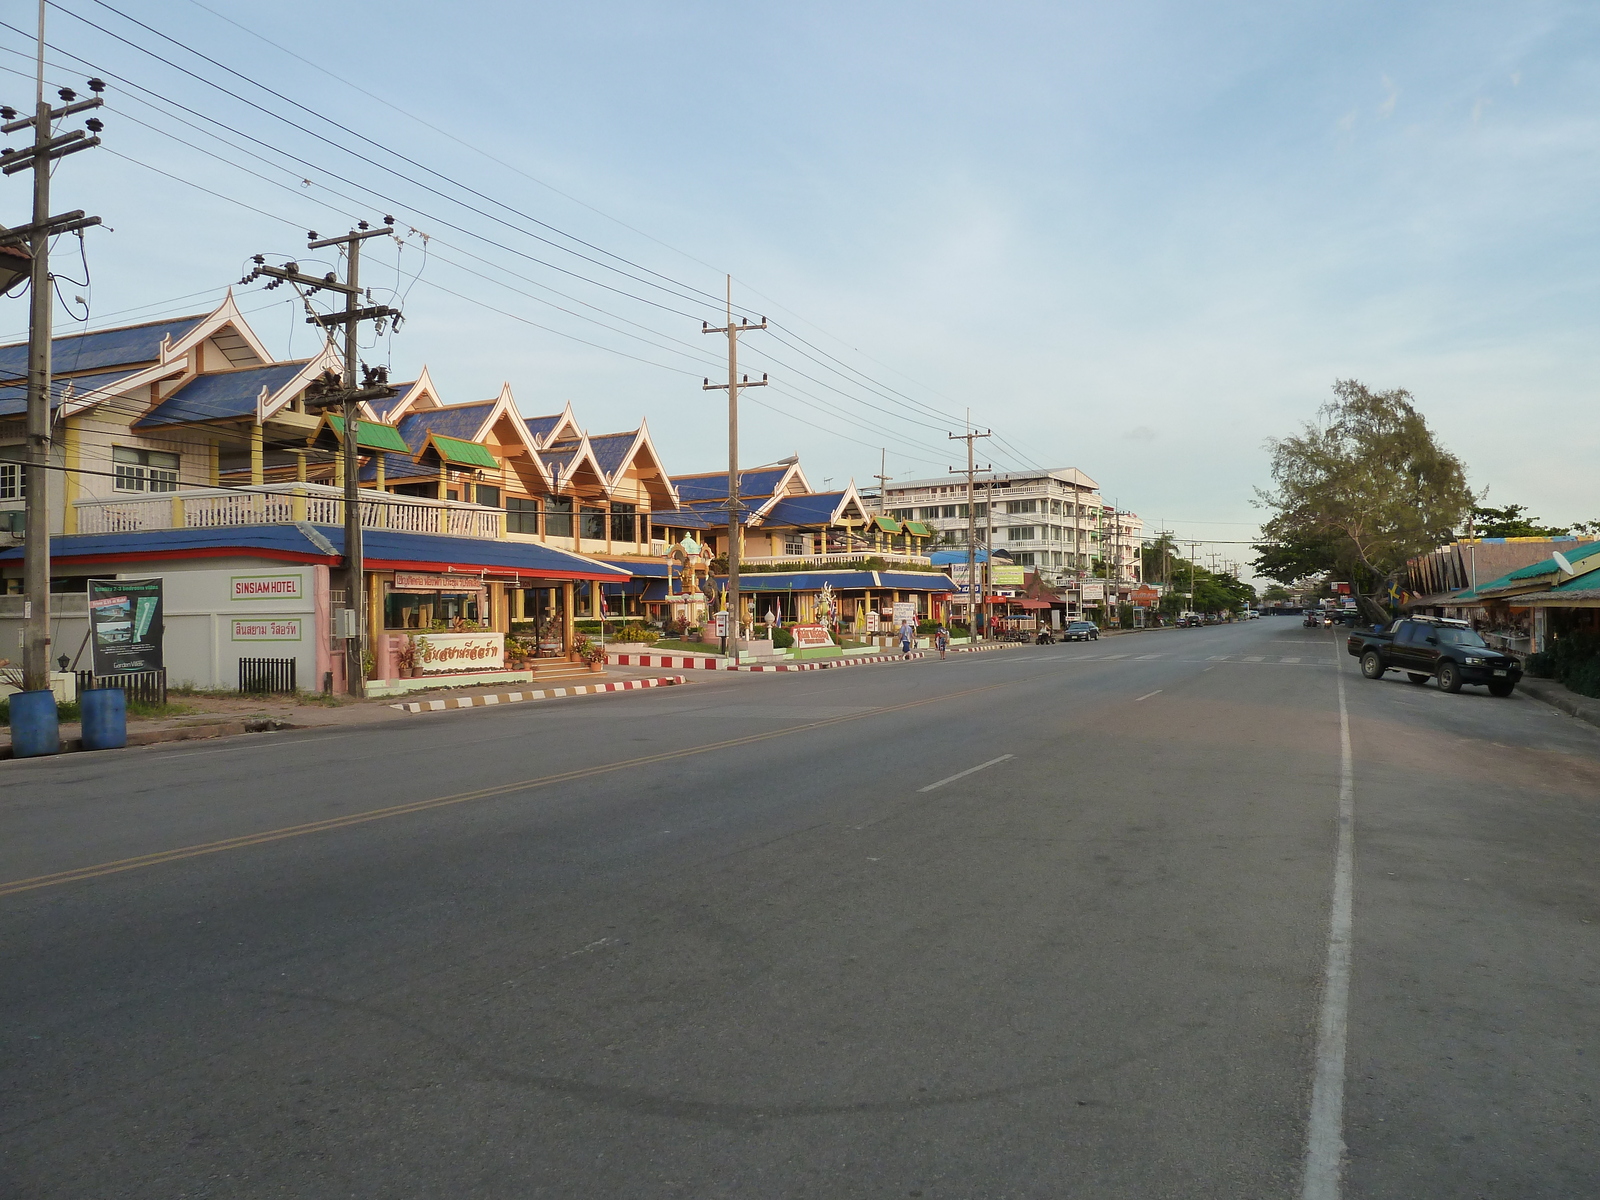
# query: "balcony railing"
{"type": "Point", "coordinates": [854, 558]}
{"type": "Point", "coordinates": [285, 504]}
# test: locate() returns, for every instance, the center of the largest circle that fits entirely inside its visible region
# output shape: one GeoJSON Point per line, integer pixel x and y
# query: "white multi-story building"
{"type": "Point", "coordinates": [1053, 521]}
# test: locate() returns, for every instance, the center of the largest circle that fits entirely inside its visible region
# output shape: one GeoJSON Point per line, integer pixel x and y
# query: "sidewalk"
{"type": "Point", "coordinates": [1556, 695]}
{"type": "Point", "coordinates": [213, 716]}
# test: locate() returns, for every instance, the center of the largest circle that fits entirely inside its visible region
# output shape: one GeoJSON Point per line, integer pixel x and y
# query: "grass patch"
{"type": "Point", "coordinates": [679, 646]}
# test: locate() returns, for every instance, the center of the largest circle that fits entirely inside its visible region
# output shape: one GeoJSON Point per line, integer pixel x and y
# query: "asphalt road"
{"type": "Point", "coordinates": [1040, 922]}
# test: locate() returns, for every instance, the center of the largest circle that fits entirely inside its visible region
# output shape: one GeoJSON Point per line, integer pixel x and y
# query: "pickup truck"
{"type": "Point", "coordinates": [1433, 648]}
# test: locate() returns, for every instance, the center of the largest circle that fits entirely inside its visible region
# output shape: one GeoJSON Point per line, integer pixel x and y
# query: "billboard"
{"type": "Point", "coordinates": [125, 625]}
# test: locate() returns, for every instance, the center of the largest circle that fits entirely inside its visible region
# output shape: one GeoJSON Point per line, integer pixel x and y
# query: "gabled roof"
{"type": "Point", "coordinates": [614, 453]}
{"type": "Point", "coordinates": [554, 428]}
{"type": "Point", "coordinates": [463, 421]}
{"type": "Point", "coordinates": [125, 346]}
{"type": "Point", "coordinates": [417, 396]}
{"type": "Point", "coordinates": [224, 395]}
{"type": "Point", "coordinates": [14, 398]}
{"type": "Point", "coordinates": [817, 509]}
{"type": "Point", "coordinates": [754, 483]}
{"type": "Point", "coordinates": [564, 461]}
{"type": "Point", "coordinates": [370, 435]}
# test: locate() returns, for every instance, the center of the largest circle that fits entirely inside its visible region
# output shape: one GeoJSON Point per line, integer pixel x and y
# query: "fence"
{"type": "Point", "coordinates": [149, 687]}
{"type": "Point", "coordinates": [263, 675]}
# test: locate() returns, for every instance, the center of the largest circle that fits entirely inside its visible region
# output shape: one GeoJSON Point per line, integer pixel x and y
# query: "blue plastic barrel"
{"type": "Point", "coordinates": [105, 718]}
{"type": "Point", "coordinates": [34, 729]}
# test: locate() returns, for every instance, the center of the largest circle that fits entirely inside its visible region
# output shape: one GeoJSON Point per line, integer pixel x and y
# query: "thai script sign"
{"type": "Point", "coordinates": [810, 635]}
{"type": "Point", "coordinates": [125, 619]}
{"type": "Point", "coordinates": [1006, 576]}
{"type": "Point", "coordinates": [265, 587]}
{"type": "Point", "coordinates": [460, 652]}
{"type": "Point", "coordinates": [267, 630]}
{"type": "Point", "coordinates": [905, 613]}
{"type": "Point", "coordinates": [872, 622]}
{"type": "Point", "coordinates": [1092, 591]}
{"type": "Point", "coordinates": [407, 581]}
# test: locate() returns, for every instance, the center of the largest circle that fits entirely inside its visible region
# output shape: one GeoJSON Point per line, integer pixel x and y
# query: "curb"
{"type": "Point", "coordinates": [587, 689]}
{"type": "Point", "coordinates": [179, 733]}
{"type": "Point", "coordinates": [715, 663]}
{"type": "Point", "coordinates": [1548, 691]}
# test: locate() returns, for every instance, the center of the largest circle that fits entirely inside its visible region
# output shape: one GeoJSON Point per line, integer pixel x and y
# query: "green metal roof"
{"type": "Point", "coordinates": [919, 529]}
{"type": "Point", "coordinates": [887, 524]}
{"type": "Point", "coordinates": [371, 435]}
{"type": "Point", "coordinates": [466, 454]}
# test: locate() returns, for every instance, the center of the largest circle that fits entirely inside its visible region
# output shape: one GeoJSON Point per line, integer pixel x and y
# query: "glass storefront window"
{"type": "Point", "coordinates": [419, 610]}
{"type": "Point", "coordinates": [622, 523]}
{"type": "Point", "coordinates": [592, 523]}
{"type": "Point", "coordinates": [558, 517]}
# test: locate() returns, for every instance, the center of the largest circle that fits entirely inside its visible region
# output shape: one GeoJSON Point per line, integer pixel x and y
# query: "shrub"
{"type": "Point", "coordinates": [782, 639]}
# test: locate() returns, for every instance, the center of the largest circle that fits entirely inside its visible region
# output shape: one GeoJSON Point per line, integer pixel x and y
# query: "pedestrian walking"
{"type": "Point", "coordinates": [941, 639]}
{"type": "Point", "coordinates": [906, 635]}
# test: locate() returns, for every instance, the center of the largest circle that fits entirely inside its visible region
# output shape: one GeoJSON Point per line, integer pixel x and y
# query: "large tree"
{"type": "Point", "coordinates": [1359, 491]}
{"type": "Point", "coordinates": [1510, 521]}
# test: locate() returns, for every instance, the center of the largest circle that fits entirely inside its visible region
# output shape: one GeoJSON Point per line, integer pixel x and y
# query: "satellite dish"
{"type": "Point", "coordinates": [1561, 562]}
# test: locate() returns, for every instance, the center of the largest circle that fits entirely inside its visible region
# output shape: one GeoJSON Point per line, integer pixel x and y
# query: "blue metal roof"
{"type": "Point", "coordinates": [399, 466]}
{"type": "Point", "coordinates": [542, 426]}
{"type": "Point", "coordinates": [944, 558]}
{"type": "Point", "coordinates": [127, 346]}
{"type": "Point", "coordinates": [688, 518]}
{"type": "Point", "coordinates": [653, 567]}
{"type": "Point", "coordinates": [14, 400]}
{"type": "Point", "coordinates": [222, 395]}
{"type": "Point", "coordinates": [815, 509]}
{"type": "Point", "coordinates": [384, 407]}
{"type": "Point", "coordinates": [715, 487]}
{"type": "Point", "coordinates": [611, 450]}
{"type": "Point", "coordinates": [810, 581]}
{"type": "Point", "coordinates": [378, 545]}
{"type": "Point", "coordinates": [460, 421]}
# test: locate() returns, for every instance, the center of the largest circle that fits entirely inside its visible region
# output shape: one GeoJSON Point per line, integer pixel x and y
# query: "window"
{"type": "Point", "coordinates": [1024, 559]}
{"type": "Point", "coordinates": [622, 523]}
{"type": "Point", "coordinates": [558, 517]}
{"type": "Point", "coordinates": [12, 484]}
{"type": "Point", "coordinates": [522, 515]}
{"type": "Point", "coordinates": [1021, 533]}
{"type": "Point", "coordinates": [1022, 506]}
{"type": "Point", "coordinates": [948, 511]}
{"type": "Point", "coordinates": [488, 495]}
{"type": "Point", "coordinates": [794, 543]}
{"type": "Point", "coordinates": [592, 523]}
{"type": "Point", "coordinates": [928, 514]}
{"type": "Point", "coordinates": [144, 470]}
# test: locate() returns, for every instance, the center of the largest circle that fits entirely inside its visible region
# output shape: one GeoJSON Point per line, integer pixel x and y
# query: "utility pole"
{"type": "Point", "coordinates": [374, 386]}
{"type": "Point", "coordinates": [735, 508]}
{"type": "Point", "coordinates": [883, 478]}
{"type": "Point", "coordinates": [972, 529]}
{"type": "Point", "coordinates": [36, 235]}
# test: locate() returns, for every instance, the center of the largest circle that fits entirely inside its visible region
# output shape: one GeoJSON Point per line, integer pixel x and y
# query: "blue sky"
{"type": "Point", "coordinates": [1135, 239]}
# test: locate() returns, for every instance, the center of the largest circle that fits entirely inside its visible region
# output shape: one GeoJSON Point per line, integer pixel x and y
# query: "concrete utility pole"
{"type": "Point", "coordinates": [735, 508]}
{"type": "Point", "coordinates": [36, 235]}
{"type": "Point", "coordinates": [883, 478]}
{"type": "Point", "coordinates": [374, 386]}
{"type": "Point", "coordinates": [972, 529]}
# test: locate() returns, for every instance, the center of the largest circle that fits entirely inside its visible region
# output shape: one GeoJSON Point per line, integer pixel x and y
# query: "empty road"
{"type": "Point", "coordinates": [1036, 922]}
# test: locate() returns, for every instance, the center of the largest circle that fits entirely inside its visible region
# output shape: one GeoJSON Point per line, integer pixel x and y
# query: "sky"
{"type": "Point", "coordinates": [1135, 239]}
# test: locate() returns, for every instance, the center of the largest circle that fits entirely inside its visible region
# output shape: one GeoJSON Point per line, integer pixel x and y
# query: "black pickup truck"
{"type": "Point", "coordinates": [1432, 648]}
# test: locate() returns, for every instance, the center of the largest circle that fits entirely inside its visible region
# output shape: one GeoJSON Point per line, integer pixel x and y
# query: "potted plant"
{"type": "Point", "coordinates": [405, 658]}
{"type": "Point", "coordinates": [421, 647]}
{"type": "Point", "coordinates": [594, 654]}
{"type": "Point", "coordinates": [579, 649]}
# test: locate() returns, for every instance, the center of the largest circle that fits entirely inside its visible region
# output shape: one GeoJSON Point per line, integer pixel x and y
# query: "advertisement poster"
{"type": "Point", "coordinates": [1007, 576]}
{"type": "Point", "coordinates": [1092, 592]}
{"type": "Point", "coordinates": [125, 622]}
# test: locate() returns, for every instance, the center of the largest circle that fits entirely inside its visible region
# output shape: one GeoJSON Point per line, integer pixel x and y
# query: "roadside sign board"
{"type": "Point", "coordinates": [125, 621]}
{"type": "Point", "coordinates": [806, 636]}
{"type": "Point", "coordinates": [905, 612]}
{"type": "Point", "coordinates": [1007, 576]}
{"type": "Point", "coordinates": [872, 622]}
{"type": "Point", "coordinates": [720, 624]}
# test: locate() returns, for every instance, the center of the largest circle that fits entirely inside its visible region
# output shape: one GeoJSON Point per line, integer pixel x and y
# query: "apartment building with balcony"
{"type": "Point", "coordinates": [1054, 522]}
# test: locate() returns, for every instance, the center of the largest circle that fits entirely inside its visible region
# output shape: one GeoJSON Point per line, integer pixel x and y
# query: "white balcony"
{"type": "Point", "coordinates": [839, 561]}
{"type": "Point", "coordinates": [285, 504]}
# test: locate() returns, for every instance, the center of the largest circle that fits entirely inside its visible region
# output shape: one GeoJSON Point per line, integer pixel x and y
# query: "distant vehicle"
{"type": "Point", "coordinates": [1313, 618]}
{"type": "Point", "coordinates": [1081, 631]}
{"type": "Point", "coordinates": [1433, 648]}
{"type": "Point", "coordinates": [1251, 614]}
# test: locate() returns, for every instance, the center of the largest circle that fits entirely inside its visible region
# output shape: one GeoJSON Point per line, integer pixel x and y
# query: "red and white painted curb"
{"type": "Point", "coordinates": [585, 689]}
{"type": "Point", "coordinates": [715, 663]}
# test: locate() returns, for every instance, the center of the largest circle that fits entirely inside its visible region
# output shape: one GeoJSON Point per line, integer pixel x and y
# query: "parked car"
{"type": "Point", "coordinates": [1081, 631]}
{"type": "Point", "coordinates": [1433, 648]}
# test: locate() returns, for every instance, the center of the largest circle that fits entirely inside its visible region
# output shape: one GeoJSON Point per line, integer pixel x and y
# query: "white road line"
{"type": "Point", "coordinates": [1325, 1129]}
{"type": "Point", "coordinates": [1254, 658]}
{"type": "Point", "coordinates": [1109, 657]}
{"type": "Point", "coordinates": [1216, 658]}
{"type": "Point", "coordinates": [964, 774]}
{"type": "Point", "coordinates": [1144, 657]}
{"type": "Point", "coordinates": [1291, 660]}
{"type": "Point", "coordinates": [1146, 696]}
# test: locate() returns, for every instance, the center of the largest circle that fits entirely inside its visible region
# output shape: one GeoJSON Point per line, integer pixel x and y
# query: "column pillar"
{"type": "Point", "coordinates": [567, 620]}
{"type": "Point", "coordinates": [258, 458]}
{"type": "Point", "coordinates": [69, 478]}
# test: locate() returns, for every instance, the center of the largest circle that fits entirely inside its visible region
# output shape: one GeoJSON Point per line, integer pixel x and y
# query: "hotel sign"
{"type": "Point", "coordinates": [408, 581]}
{"type": "Point", "coordinates": [461, 652]}
{"type": "Point", "coordinates": [265, 587]}
{"type": "Point", "coordinates": [267, 630]}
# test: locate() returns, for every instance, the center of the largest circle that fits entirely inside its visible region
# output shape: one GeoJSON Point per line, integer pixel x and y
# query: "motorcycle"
{"type": "Point", "coordinates": [1044, 638]}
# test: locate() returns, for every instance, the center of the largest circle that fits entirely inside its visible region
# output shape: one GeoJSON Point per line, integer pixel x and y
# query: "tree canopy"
{"type": "Point", "coordinates": [1360, 491]}
{"type": "Point", "coordinates": [1510, 521]}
